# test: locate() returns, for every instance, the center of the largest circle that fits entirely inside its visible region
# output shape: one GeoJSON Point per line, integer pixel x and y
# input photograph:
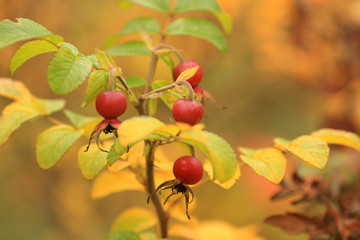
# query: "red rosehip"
{"type": "Point", "coordinates": [194, 80]}
{"type": "Point", "coordinates": [111, 104]}
{"type": "Point", "coordinates": [188, 170]}
{"type": "Point", "coordinates": [187, 111]}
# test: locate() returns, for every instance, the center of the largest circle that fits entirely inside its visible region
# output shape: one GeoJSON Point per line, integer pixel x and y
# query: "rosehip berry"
{"type": "Point", "coordinates": [194, 80]}
{"type": "Point", "coordinates": [187, 111]}
{"type": "Point", "coordinates": [111, 104]}
{"type": "Point", "coordinates": [188, 169]}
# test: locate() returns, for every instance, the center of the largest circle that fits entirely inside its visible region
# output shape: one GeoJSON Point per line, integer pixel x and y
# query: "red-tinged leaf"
{"type": "Point", "coordinates": [293, 223]}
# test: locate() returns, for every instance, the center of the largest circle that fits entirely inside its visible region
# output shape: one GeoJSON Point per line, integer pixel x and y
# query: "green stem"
{"type": "Point", "coordinates": [111, 78]}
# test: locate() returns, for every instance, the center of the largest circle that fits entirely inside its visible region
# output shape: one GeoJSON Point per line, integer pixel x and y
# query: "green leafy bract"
{"type": "Point", "coordinates": [98, 81]}
{"type": "Point", "coordinates": [122, 235]}
{"type": "Point", "coordinates": [200, 28]}
{"type": "Point", "coordinates": [104, 59]}
{"type": "Point", "coordinates": [68, 69]}
{"type": "Point", "coordinates": [222, 157]}
{"type": "Point", "coordinates": [23, 29]}
{"type": "Point", "coordinates": [53, 143]}
{"type": "Point", "coordinates": [148, 24]}
{"type": "Point", "coordinates": [131, 48]}
{"type": "Point", "coordinates": [29, 50]}
{"type": "Point", "coordinates": [158, 5]}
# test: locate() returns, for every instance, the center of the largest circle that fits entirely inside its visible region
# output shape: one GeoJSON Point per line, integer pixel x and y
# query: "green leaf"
{"type": "Point", "coordinates": [158, 5]}
{"type": "Point", "coordinates": [76, 119]}
{"type": "Point", "coordinates": [104, 59]}
{"type": "Point", "coordinates": [14, 115]}
{"type": "Point", "coordinates": [122, 235]}
{"type": "Point", "coordinates": [67, 69]}
{"type": "Point", "coordinates": [148, 24]}
{"type": "Point", "coordinates": [225, 21]}
{"type": "Point", "coordinates": [111, 41]}
{"type": "Point", "coordinates": [94, 60]}
{"type": "Point", "coordinates": [29, 50]}
{"type": "Point", "coordinates": [198, 5]}
{"type": "Point", "coordinates": [48, 106]}
{"type": "Point", "coordinates": [115, 152]}
{"type": "Point", "coordinates": [14, 89]}
{"type": "Point", "coordinates": [200, 28]}
{"type": "Point", "coordinates": [169, 63]}
{"type": "Point", "coordinates": [53, 143]}
{"type": "Point", "coordinates": [222, 157]}
{"type": "Point", "coordinates": [91, 162]}
{"type": "Point", "coordinates": [341, 137]}
{"type": "Point", "coordinates": [134, 219]}
{"type": "Point", "coordinates": [135, 81]}
{"type": "Point", "coordinates": [55, 39]}
{"type": "Point", "coordinates": [129, 49]}
{"type": "Point", "coordinates": [269, 163]}
{"type": "Point", "coordinates": [23, 29]}
{"type": "Point", "coordinates": [98, 81]}
{"type": "Point", "coordinates": [205, 5]}
{"type": "Point", "coordinates": [137, 128]}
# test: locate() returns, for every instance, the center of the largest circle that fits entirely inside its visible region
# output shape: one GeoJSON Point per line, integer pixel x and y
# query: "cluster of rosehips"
{"type": "Point", "coordinates": [187, 169]}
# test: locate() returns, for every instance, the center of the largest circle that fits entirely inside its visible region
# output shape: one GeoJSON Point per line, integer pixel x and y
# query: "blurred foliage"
{"type": "Point", "coordinates": [291, 67]}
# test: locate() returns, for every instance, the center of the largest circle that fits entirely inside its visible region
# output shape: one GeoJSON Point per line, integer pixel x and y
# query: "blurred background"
{"type": "Point", "coordinates": [292, 66]}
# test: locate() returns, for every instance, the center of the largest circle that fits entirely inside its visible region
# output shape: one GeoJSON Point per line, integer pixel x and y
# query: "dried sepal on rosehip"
{"type": "Point", "coordinates": [110, 105]}
{"type": "Point", "coordinates": [188, 170]}
{"type": "Point", "coordinates": [106, 126]}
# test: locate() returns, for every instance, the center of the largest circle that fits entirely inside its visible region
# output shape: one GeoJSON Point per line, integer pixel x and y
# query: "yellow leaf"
{"type": "Point", "coordinates": [312, 150]}
{"type": "Point", "coordinates": [134, 219]}
{"type": "Point", "coordinates": [107, 183]}
{"type": "Point", "coordinates": [136, 128]}
{"type": "Point", "coordinates": [214, 230]}
{"type": "Point", "coordinates": [188, 73]}
{"type": "Point", "coordinates": [341, 137]}
{"type": "Point", "coordinates": [92, 161]}
{"type": "Point", "coordinates": [229, 183]}
{"type": "Point", "coordinates": [118, 166]}
{"type": "Point", "coordinates": [269, 163]}
{"type": "Point", "coordinates": [14, 89]}
{"type": "Point", "coordinates": [281, 144]}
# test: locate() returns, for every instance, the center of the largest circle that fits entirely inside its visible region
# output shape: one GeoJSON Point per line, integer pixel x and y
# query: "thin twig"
{"type": "Point", "coordinates": [162, 216]}
{"type": "Point", "coordinates": [170, 86]}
